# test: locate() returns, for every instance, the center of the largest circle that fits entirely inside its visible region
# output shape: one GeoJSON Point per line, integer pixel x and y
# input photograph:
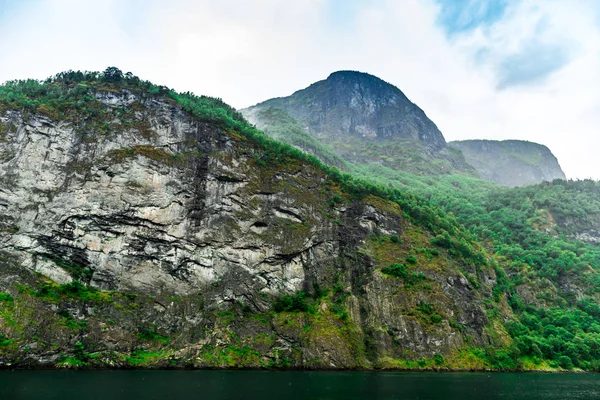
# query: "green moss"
{"type": "Point", "coordinates": [72, 290]}
{"type": "Point", "coordinates": [146, 358]}
{"type": "Point", "coordinates": [426, 313]}
{"type": "Point", "coordinates": [225, 318]}
{"type": "Point", "coordinates": [10, 229]}
{"type": "Point", "coordinates": [291, 303]}
{"type": "Point", "coordinates": [338, 303]}
{"type": "Point", "coordinates": [70, 323]}
{"type": "Point", "coordinates": [79, 357]}
{"type": "Point", "coordinates": [263, 318]}
{"type": "Point", "coordinates": [229, 356]}
{"type": "Point", "coordinates": [278, 361]}
{"type": "Point", "coordinates": [6, 297]}
{"type": "Point", "coordinates": [4, 341]}
{"type": "Point", "coordinates": [423, 363]}
{"type": "Point", "coordinates": [401, 271]}
{"type": "Point", "coordinates": [71, 362]}
{"type": "Point", "coordinates": [383, 205]}
{"type": "Point", "coordinates": [151, 335]}
{"type": "Point", "coordinates": [4, 128]}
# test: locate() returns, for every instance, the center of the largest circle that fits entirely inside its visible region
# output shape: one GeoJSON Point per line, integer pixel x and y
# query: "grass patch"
{"type": "Point", "coordinates": [6, 298]}
{"type": "Point", "coordinates": [402, 272]}
{"type": "Point", "coordinates": [150, 335]}
{"type": "Point", "coordinates": [145, 358]}
{"type": "Point", "coordinates": [4, 341]}
{"type": "Point", "coordinates": [71, 290]}
{"type": "Point", "coordinates": [293, 303]}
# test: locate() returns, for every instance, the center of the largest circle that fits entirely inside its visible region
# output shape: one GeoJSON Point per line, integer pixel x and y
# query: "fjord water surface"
{"type": "Point", "coordinates": [291, 385]}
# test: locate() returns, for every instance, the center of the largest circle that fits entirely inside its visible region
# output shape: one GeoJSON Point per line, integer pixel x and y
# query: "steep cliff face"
{"type": "Point", "coordinates": [364, 120]}
{"type": "Point", "coordinates": [139, 235]}
{"type": "Point", "coordinates": [511, 162]}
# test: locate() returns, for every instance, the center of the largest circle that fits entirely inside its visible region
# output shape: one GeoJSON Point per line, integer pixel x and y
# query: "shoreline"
{"type": "Point", "coordinates": [384, 370]}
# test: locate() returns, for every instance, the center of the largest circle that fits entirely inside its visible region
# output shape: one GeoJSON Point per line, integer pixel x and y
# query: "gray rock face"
{"type": "Point", "coordinates": [149, 215]}
{"type": "Point", "coordinates": [591, 237]}
{"type": "Point", "coordinates": [175, 210]}
{"type": "Point", "coordinates": [511, 162]}
{"type": "Point", "coordinates": [350, 103]}
{"type": "Point", "coordinates": [586, 229]}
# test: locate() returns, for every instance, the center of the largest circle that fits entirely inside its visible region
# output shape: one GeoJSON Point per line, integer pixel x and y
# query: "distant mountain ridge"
{"type": "Point", "coordinates": [357, 118]}
{"type": "Point", "coordinates": [511, 162]}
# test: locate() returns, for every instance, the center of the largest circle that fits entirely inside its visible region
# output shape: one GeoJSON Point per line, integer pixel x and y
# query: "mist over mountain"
{"type": "Point", "coordinates": [366, 120]}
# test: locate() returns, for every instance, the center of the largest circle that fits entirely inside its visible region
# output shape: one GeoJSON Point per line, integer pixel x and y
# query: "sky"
{"type": "Point", "coordinates": [480, 69]}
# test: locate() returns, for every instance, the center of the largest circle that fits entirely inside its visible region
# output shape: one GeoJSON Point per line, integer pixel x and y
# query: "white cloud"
{"type": "Point", "coordinates": [246, 52]}
{"type": "Point", "coordinates": [553, 108]}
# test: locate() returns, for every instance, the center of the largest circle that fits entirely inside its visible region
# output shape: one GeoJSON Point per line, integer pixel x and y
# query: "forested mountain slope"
{"type": "Point", "coordinates": [142, 227]}
{"type": "Point", "coordinates": [353, 117]}
{"type": "Point", "coordinates": [535, 227]}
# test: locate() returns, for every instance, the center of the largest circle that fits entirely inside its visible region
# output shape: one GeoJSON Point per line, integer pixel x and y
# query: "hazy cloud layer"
{"type": "Point", "coordinates": [480, 69]}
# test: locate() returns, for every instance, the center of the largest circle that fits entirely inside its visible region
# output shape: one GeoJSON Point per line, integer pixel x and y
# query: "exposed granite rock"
{"type": "Point", "coordinates": [511, 162]}
{"type": "Point", "coordinates": [592, 236]}
{"type": "Point", "coordinates": [586, 228]}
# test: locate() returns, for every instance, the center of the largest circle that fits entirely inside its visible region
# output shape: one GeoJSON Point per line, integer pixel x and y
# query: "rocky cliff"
{"type": "Point", "coordinates": [511, 162]}
{"type": "Point", "coordinates": [137, 228]}
{"type": "Point", "coordinates": [364, 120]}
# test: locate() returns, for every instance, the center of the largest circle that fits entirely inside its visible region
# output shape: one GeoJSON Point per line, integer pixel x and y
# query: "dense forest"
{"type": "Point", "coordinates": [521, 225]}
{"type": "Point", "coordinates": [550, 279]}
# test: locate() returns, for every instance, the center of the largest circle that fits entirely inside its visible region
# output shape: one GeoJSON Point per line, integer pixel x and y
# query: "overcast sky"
{"type": "Point", "coordinates": [492, 69]}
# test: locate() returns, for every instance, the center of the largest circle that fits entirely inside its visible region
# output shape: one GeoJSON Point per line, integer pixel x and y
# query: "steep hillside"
{"type": "Point", "coordinates": [141, 227]}
{"type": "Point", "coordinates": [552, 281]}
{"type": "Point", "coordinates": [511, 162]}
{"type": "Point", "coordinates": [542, 233]}
{"type": "Point", "coordinates": [279, 125]}
{"type": "Point", "coordinates": [364, 120]}
{"type": "Point", "coordinates": [566, 208]}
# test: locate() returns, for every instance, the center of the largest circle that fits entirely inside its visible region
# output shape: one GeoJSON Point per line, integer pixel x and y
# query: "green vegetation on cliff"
{"type": "Point", "coordinates": [539, 286]}
{"type": "Point", "coordinates": [550, 278]}
{"type": "Point", "coordinates": [280, 126]}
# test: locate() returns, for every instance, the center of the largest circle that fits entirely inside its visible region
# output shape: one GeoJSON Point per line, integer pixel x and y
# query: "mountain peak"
{"type": "Point", "coordinates": [357, 105]}
{"type": "Point", "coordinates": [353, 75]}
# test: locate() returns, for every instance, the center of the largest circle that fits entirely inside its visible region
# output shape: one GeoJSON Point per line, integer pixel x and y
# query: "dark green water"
{"type": "Point", "coordinates": [261, 385]}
